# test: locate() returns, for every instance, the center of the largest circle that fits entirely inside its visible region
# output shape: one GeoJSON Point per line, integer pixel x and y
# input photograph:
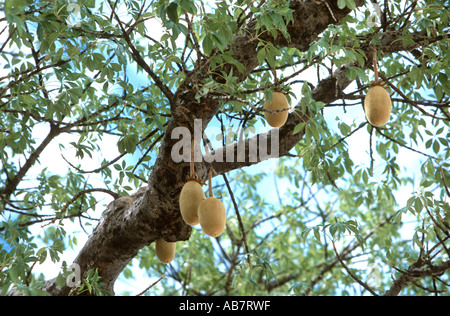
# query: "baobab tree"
{"type": "Point", "coordinates": [93, 95]}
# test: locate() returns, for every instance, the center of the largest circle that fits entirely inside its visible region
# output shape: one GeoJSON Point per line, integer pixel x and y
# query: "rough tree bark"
{"type": "Point", "coordinates": [416, 271]}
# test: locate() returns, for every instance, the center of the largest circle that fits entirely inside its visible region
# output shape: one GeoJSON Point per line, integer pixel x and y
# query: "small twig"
{"type": "Point", "coordinates": [317, 59]}
{"type": "Point", "coordinates": [371, 149]}
{"type": "Point", "coordinates": [96, 170]}
{"type": "Point", "coordinates": [274, 72]}
{"type": "Point", "coordinates": [408, 100]}
{"type": "Point", "coordinates": [240, 20]}
{"type": "Point", "coordinates": [353, 132]}
{"type": "Point", "coordinates": [141, 62]}
{"type": "Point", "coordinates": [364, 285]}
{"type": "Point", "coordinates": [29, 273]}
{"type": "Point", "coordinates": [436, 223]}
{"type": "Point", "coordinates": [192, 38]}
{"type": "Point", "coordinates": [405, 146]}
{"type": "Point", "coordinates": [132, 27]}
{"type": "Point", "coordinates": [82, 193]}
{"type": "Point", "coordinates": [331, 11]}
{"type": "Point", "coordinates": [30, 12]}
{"type": "Point", "coordinates": [150, 148]}
{"type": "Point", "coordinates": [435, 291]}
{"type": "Point", "coordinates": [241, 225]}
{"type": "Point", "coordinates": [443, 180]}
{"type": "Point", "coordinates": [159, 280]}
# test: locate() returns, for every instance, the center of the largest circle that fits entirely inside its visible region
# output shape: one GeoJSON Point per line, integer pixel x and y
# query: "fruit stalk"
{"type": "Point", "coordinates": [274, 72]}
{"type": "Point", "coordinates": [375, 66]}
{"type": "Point", "coordinates": [210, 182]}
{"type": "Point", "coordinates": [192, 159]}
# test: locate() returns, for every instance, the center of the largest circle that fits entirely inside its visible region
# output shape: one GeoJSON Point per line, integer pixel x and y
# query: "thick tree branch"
{"type": "Point", "coordinates": [416, 271]}
{"type": "Point", "coordinates": [12, 184]}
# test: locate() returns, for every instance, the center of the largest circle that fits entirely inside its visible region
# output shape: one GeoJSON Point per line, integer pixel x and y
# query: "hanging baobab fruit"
{"type": "Point", "coordinates": [377, 104]}
{"type": "Point", "coordinates": [212, 214]}
{"type": "Point", "coordinates": [191, 195]}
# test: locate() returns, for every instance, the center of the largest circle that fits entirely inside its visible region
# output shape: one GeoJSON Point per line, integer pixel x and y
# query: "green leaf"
{"type": "Point", "coordinates": [207, 44]}
{"type": "Point", "coordinates": [128, 144]}
{"type": "Point", "coordinates": [351, 4]}
{"type": "Point", "coordinates": [418, 205]}
{"type": "Point", "coordinates": [341, 4]}
{"type": "Point", "coordinates": [117, 167]}
{"type": "Point", "coordinates": [172, 12]}
{"type": "Point", "coordinates": [60, 280]}
{"type": "Point", "coordinates": [299, 127]}
{"type": "Point", "coordinates": [317, 232]}
{"type": "Point", "coordinates": [261, 56]}
{"type": "Point", "coordinates": [14, 273]}
{"type": "Point", "coordinates": [333, 229]}
{"type": "Point", "coordinates": [220, 41]}
{"type": "Point", "coordinates": [436, 147]}
{"type": "Point", "coordinates": [416, 240]}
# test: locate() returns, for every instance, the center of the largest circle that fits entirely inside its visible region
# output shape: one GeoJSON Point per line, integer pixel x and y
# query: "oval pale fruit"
{"type": "Point", "coordinates": [190, 197]}
{"type": "Point", "coordinates": [165, 251]}
{"type": "Point", "coordinates": [212, 216]}
{"type": "Point", "coordinates": [279, 102]}
{"type": "Point", "coordinates": [378, 106]}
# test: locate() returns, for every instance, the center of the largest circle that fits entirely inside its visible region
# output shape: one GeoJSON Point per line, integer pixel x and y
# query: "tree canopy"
{"type": "Point", "coordinates": [94, 94]}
